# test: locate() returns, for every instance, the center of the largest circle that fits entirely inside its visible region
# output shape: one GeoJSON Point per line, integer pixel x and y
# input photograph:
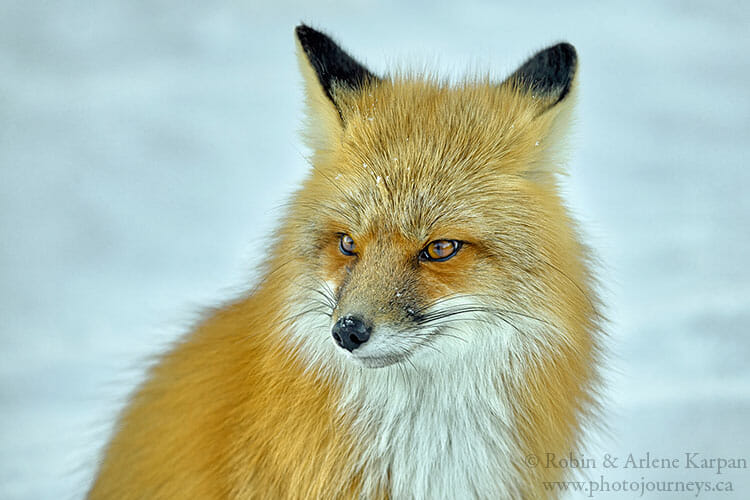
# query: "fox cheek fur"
{"type": "Point", "coordinates": [427, 316]}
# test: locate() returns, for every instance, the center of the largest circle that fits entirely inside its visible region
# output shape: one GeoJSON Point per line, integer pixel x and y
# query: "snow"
{"type": "Point", "coordinates": [146, 147]}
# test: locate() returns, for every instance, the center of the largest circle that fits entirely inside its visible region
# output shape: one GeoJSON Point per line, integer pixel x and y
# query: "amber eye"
{"type": "Point", "coordinates": [347, 245]}
{"type": "Point", "coordinates": [440, 250]}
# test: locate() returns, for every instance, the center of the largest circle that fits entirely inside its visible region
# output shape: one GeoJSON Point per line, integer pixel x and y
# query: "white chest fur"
{"type": "Point", "coordinates": [440, 425]}
{"type": "Point", "coordinates": [434, 432]}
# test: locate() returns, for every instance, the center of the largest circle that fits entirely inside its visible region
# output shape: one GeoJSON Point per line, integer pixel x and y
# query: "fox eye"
{"type": "Point", "coordinates": [347, 245]}
{"type": "Point", "coordinates": [440, 250]}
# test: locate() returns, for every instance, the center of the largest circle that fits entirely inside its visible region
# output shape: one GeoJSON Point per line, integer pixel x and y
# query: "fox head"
{"type": "Point", "coordinates": [430, 225]}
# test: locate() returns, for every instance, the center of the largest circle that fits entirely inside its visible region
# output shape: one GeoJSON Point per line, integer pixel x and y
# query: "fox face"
{"type": "Point", "coordinates": [432, 211]}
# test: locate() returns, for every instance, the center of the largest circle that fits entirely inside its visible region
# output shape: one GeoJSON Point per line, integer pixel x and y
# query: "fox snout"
{"type": "Point", "coordinates": [350, 332]}
{"type": "Point", "coordinates": [374, 300]}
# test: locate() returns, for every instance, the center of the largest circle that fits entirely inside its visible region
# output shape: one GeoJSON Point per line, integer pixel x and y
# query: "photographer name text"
{"type": "Point", "coordinates": [686, 460]}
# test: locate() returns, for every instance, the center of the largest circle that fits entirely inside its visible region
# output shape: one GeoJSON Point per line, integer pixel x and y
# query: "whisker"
{"type": "Point", "coordinates": [449, 315]}
{"type": "Point", "coordinates": [440, 332]}
{"type": "Point", "coordinates": [294, 317]}
{"type": "Point", "coordinates": [407, 356]}
{"type": "Point", "coordinates": [425, 340]}
{"type": "Point", "coordinates": [445, 313]}
{"type": "Point", "coordinates": [329, 300]}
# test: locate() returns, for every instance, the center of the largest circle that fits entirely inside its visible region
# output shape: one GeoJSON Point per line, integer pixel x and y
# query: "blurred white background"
{"type": "Point", "coordinates": [145, 147]}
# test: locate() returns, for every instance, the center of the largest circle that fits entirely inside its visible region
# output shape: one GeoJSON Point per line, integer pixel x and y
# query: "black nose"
{"type": "Point", "coordinates": [351, 332]}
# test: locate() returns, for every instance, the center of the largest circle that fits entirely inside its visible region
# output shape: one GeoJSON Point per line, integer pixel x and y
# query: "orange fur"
{"type": "Point", "coordinates": [229, 414]}
{"type": "Point", "coordinates": [238, 410]}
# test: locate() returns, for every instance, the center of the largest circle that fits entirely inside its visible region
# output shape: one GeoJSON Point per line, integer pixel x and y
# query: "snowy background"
{"type": "Point", "coordinates": [145, 147]}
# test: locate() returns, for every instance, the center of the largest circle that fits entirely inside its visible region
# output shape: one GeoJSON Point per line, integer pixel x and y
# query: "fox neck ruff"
{"type": "Point", "coordinates": [441, 424]}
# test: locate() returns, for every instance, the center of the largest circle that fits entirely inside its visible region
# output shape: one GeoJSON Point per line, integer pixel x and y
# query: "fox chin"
{"type": "Point", "coordinates": [426, 316]}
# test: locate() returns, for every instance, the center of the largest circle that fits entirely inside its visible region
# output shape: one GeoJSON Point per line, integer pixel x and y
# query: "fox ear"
{"type": "Point", "coordinates": [548, 78]}
{"type": "Point", "coordinates": [327, 70]}
{"type": "Point", "coordinates": [548, 75]}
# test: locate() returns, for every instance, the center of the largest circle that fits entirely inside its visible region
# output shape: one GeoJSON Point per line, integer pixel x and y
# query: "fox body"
{"type": "Point", "coordinates": [425, 320]}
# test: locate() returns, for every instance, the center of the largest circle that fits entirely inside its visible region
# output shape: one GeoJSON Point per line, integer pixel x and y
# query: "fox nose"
{"type": "Point", "coordinates": [351, 332]}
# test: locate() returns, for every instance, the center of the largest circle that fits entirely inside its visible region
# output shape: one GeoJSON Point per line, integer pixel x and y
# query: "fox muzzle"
{"type": "Point", "coordinates": [350, 332]}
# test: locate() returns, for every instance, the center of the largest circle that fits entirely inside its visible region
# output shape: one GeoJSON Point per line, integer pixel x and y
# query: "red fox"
{"type": "Point", "coordinates": [426, 323]}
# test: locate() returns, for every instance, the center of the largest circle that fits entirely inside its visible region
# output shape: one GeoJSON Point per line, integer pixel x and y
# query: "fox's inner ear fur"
{"type": "Point", "coordinates": [327, 70]}
{"type": "Point", "coordinates": [548, 75]}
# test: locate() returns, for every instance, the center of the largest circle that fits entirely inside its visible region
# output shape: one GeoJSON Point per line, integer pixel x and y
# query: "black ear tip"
{"type": "Point", "coordinates": [306, 34]}
{"type": "Point", "coordinates": [566, 54]}
{"type": "Point", "coordinates": [303, 30]}
{"type": "Point", "coordinates": [550, 71]}
{"type": "Point", "coordinates": [333, 66]}
{"type": "Point", "coordinates": [559, 61]}
{"type": "Point", "coordinates": [565, 48]}
{"type": "Point", "coordinates": [316, 44]}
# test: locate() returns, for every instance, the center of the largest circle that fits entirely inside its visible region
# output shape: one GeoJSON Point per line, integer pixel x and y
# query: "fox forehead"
{"type": "Point", "coordinates": [475, 128]}
{"type": "Point", "coordinates": [425, 157]}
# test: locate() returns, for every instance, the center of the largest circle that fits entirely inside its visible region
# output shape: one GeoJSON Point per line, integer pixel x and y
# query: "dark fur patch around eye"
{"type": "Point", "coordinates": [331, 63]}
